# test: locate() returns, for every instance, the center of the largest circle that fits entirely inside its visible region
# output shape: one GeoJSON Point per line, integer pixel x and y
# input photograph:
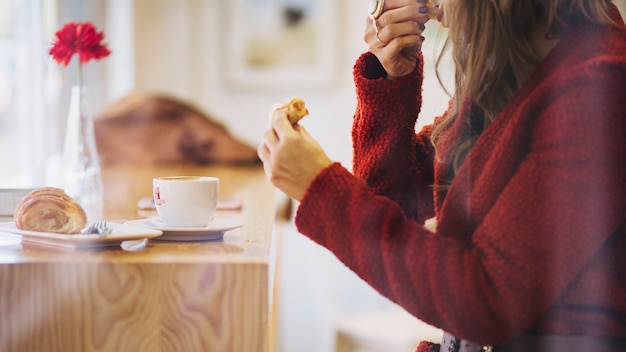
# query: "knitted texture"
{"type": "Point", "coordinates": [532, 231]}
{"type": "Point", "coordinates": [427, 347]}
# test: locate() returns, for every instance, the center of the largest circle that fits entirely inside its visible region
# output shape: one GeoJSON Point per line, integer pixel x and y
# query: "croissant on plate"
{"type": "Point", "coordinates": [49, 209]}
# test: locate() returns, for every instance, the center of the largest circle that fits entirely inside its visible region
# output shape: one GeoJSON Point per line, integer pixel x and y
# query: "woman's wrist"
{"type": "Point", "coordinates": [370, 67]}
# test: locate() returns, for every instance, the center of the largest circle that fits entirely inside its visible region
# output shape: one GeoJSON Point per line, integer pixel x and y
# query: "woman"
{"type": "Point", "coordinates": [525, 174]}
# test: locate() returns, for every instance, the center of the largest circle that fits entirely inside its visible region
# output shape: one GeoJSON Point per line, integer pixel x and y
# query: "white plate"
{"type": "Point", "coordinates": [214, 231]}
{"type": "Point", "coordinates": [120, 233]}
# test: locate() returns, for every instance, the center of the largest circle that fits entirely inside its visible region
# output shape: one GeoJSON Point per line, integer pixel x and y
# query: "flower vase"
{"type": "Point", "coordinates": [82, 179]}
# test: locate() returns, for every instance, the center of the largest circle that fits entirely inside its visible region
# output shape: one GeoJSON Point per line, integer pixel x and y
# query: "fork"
{"type": "Point", "coordinates": [97, 228]}
{"type": "Point", "coordinates": [90, 230]}
{"type": "Point", "coordinates": [101, 227]}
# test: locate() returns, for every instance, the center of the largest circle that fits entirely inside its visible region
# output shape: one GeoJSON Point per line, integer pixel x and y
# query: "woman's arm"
{"type": "Point", "coordinates": [388, 155]}
{"type": "Point", "coordinates": [526, 226]}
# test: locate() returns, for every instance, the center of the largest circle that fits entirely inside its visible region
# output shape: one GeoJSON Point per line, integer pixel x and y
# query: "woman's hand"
{"type": "Point", "coordinates": [291, 157]}
{"type": "Point", "coordinates": [398, 41]}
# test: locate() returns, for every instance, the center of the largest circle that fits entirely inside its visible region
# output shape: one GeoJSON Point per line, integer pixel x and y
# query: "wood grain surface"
{"type": "Point", "coordinates": [148, 295]}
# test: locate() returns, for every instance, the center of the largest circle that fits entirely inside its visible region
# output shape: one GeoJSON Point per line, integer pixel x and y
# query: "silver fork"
{"type": "Point", "coordinates": [97, 228]}
{"type": "Point", "coordinates": [90, 230]}
{"type": "Point", "coordinates": [102, 228]}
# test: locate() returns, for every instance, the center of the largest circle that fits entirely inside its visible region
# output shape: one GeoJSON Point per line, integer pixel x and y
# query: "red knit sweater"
{"type": "Point", "coordinates": [531, 235]}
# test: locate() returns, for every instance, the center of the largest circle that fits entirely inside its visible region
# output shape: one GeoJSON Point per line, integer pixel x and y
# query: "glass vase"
{"type": "Point", "coordinates": [82, 179]}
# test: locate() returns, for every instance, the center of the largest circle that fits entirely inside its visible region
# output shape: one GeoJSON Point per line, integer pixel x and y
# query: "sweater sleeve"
{"type": "Point", "coordinates": [393, 160]}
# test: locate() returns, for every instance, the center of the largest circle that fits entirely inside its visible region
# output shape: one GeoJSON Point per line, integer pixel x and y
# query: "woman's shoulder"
{"type": "Point", "coordinates": [590, 57]}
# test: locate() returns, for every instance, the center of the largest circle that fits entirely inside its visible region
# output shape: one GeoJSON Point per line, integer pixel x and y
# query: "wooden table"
{"type": "Point", "coordinates": [148, 295]}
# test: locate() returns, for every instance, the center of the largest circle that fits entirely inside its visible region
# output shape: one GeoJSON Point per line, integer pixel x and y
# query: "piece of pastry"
{"type": "Point", "coordinates": [49, 209]}
{"type": "Point", "coordinates": [296, 109]}
{"type": "Point", "coordinates": [433, 9]}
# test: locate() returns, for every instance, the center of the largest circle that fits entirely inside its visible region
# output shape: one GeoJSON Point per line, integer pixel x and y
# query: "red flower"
{"type": "Point", "coordinates": [81, 39]}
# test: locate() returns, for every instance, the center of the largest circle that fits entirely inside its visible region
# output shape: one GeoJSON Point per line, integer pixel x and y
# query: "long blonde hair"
{"type": "Point", "coordinates": [493, 52]}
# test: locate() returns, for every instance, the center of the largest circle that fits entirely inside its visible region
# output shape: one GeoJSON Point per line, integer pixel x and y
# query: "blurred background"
{"type": "Point", "coordinates": [234, 59]}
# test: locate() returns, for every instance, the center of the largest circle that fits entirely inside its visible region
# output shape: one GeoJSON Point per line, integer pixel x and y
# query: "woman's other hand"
{"type": "Point", "coordinates": [291, 157]}
{"type": "Point", "coordinates": [398, 40]}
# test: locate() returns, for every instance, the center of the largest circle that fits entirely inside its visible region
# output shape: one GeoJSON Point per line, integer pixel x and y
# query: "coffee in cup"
{"type": "Point", "coordinates": [186, 201]}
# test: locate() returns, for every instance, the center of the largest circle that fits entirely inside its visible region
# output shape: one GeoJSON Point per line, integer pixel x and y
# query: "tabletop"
{"type": "Point", "coordinates": [148, 295]}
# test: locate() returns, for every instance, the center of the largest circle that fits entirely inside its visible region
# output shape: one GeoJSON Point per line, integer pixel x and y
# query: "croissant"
{"type": "Point", "coordinates": [296, 109]}
{"type": "Point", "coordinates": [49, 209]}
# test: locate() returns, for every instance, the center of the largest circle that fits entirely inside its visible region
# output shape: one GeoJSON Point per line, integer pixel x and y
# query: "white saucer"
{"type": "Point", "coordinates": [214, 231]}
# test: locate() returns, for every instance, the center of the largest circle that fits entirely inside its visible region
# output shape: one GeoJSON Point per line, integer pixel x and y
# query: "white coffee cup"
{"type": "Point", "coordinates": [186, 201]}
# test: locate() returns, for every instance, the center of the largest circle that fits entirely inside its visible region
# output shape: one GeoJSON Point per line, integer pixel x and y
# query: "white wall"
{"type": "Point", "coordinates": [179, 50]}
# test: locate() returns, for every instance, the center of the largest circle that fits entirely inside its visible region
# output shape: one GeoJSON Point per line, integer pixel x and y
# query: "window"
{"type": "Point", "coordinates": [28, 82]}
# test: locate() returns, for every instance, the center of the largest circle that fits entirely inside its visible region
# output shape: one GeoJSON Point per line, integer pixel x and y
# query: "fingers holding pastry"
{"type": "Point", "coordinates": [291, 157]}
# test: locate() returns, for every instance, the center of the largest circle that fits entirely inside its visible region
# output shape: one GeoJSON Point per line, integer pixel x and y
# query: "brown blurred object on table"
{"type": "Point", "coordinates": [152, 129]}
